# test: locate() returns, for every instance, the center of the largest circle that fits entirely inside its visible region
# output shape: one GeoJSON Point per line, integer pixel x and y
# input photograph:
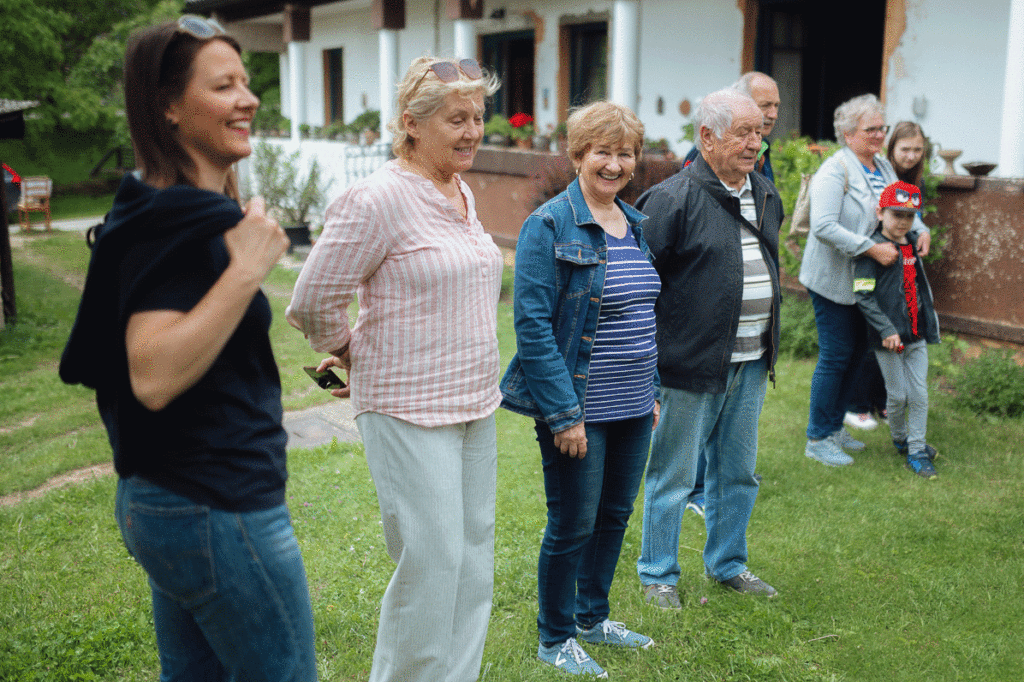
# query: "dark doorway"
{"type": "Point", "coordinates": [588, 63]}
{"type": "Point", "coordinates": [510, 56]}
{"type": "Point", "coordinates": [334, 80]}
{"type": "Point", "coordinates": [821, 54]}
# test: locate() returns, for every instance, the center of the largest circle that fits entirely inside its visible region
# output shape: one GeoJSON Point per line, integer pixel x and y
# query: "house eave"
{"type": "Point", "coordinates": [238, 10]}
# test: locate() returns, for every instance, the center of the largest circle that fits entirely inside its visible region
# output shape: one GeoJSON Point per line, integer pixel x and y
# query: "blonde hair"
{"type": "Point", "coordinates": [422, 94]}
{"type": "Point", "coordinates": [603, 122]}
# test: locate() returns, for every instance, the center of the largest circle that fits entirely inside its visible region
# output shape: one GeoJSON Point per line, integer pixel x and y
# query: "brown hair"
{"type": "Point", "coordinates": [901, 131]}
{"type": "Point", "coordinates": [603, 122]}
{"type": "Point", "coordinates": [157, 69]}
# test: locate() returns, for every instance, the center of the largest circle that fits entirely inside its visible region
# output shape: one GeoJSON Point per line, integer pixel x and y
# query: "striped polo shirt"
{"type": "Point", "coordinates": [756, 308]}
{"type": "Point", "coordinates": [621, 380]}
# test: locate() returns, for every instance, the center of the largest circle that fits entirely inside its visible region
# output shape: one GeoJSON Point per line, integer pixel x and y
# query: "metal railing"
{"type": "Point", "coordinates": [361, 161]}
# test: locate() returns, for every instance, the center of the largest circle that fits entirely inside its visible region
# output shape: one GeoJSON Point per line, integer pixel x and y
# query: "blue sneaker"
{"type": "Point", "coordinates": [922, 466]}
{"type": "Point", "coordinates": [614, 634]}
{"type": "Point", "coordinates": [843, 439]}
{"type": "Point", "coordinates": [901, 447]}
{"type": "Point", "coordinates": [827, 452]}
{"type": "Point", "coordinates": [696, 505]}
{"type": "Point", "coordinates": [569, 657]}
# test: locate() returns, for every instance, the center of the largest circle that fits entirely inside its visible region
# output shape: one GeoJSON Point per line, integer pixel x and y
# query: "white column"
{"type": "Point", "coordinates": [387, 46]}
{"type": "Point", "coordinates": [625, 42]}
{"type": "Point", "coordinates": [296, 82]}
{"type": "Point", "coordinates": [1011, 147]}
{"type": "Point", "coordinates": [465, 39]}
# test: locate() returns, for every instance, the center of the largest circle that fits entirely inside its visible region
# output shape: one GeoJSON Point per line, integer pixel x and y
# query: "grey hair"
{"type": "Point", "coordinates": [422, 94]}
{"type": "Point", "coordinates": [849, 113]}
{"type": "Point", "coordinates": [743, 84]}
{"type": "Point", "coordinates": [716, 112]}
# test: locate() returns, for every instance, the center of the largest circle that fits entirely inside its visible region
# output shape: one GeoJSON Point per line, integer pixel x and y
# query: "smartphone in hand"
{"type": "Point", "coordinates": [326, 379]}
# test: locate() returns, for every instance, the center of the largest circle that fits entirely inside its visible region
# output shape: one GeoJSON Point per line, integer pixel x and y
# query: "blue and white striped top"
{"type": "Point", "coordinates": [875, 179]}
{"type": "Point", "coordinates": [621, 381]}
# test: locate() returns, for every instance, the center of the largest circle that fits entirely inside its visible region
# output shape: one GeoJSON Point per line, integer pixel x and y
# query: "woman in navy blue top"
{"type": "Point", "coordinates": [585, 370]}
{"type": "Point", "coordinates": [173, 333]}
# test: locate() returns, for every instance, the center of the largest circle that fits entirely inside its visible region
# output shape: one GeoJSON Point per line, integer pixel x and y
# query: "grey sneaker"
{"type": "Point", "coordinates": [614, 634]}
{"type": "Point", "coordinates": [827, 452]}
{"type": "Point", "coordinates": [569, 657]}
{"type": "Point", "coordinates": [748, 583]}
{"type": "Point", "coordinates": [662, 596]}
{"type": "Point", "coordinates": [843, 439]}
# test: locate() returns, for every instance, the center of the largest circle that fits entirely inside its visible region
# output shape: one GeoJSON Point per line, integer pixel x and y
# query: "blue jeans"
{"type": "Point", "coordinates": [589, 504]}
{"type": "Point", "coordinates": [842, 344]}
{"type": "Point", "coordinates": [230, 599]}
{"type": "Point", "coordinates": [725, 427]}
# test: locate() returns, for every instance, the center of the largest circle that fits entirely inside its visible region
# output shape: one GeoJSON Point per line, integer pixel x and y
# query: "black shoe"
{"type": "Point", "coordinates": [901, 447]}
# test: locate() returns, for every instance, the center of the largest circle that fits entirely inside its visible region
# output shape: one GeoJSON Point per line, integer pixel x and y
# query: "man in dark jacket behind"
{"type": "Point", "coordinates": [714, 234]}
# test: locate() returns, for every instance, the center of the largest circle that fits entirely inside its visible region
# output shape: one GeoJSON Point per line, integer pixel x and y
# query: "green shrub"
{"type": "Point", "coordinates": [791, 159]}
{"type": "Point", "coordinates": [942, 358]}
{"type": "Point", "coordinates": [799, 335]}
{"type": "Point", "coordinates": [992, 384]}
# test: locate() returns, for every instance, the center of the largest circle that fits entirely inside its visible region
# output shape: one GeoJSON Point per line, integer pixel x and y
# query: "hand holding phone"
{"type": "Point", "coordinates": [326, 379]}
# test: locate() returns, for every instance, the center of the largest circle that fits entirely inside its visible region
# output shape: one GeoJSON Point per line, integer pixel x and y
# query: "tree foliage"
{"type": "Point", "coordinates": [69, 56]}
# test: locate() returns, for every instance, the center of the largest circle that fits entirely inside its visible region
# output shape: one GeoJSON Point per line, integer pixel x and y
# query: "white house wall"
{"type": "Point", "coordinates": [689, 48]}
{"type": "Point", "coordinates": [697, 54]}
{"type": "Point", "coordinates": [955, 58]}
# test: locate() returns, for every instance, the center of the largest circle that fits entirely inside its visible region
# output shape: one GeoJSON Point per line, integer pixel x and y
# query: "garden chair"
{"type": "Point", "coordinates": [35, 196]}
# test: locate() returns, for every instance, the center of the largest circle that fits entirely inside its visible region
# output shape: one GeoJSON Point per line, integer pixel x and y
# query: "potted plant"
{"type": "Point", "coordinates": [498, 130]}
{"type": "Point", "coordinates": [522, 130]}
{"type": "Point", "coordinates": [367, 126]}
{"type": "Point", "coordinates": [562, 136]}
{"type": "Point", "coordinates": [291, 196]}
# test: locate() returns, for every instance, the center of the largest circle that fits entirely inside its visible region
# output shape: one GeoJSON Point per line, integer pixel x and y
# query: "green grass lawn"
{"type": "Point", "coordinates": [882, 577]}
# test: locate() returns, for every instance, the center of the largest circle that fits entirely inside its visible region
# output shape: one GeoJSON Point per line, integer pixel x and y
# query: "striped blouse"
{"type": "Point", "coordinates": [620, 384]}
{"type": "Point", "coordinates": [424, 347]}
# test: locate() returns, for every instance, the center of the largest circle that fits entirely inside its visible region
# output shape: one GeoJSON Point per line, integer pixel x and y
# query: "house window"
{"type": "Point", "coordinates": [510, 56]}
{"type": "Point", "coordinates": [334, 101]}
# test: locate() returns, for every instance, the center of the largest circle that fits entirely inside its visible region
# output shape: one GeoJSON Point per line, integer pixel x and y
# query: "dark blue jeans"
{"type": "Point", "coordinates": [589, 504]}
{"type": "Point", "coordinates": [842, 343]}
{"type": "Point", "coordinates": [230, 600]}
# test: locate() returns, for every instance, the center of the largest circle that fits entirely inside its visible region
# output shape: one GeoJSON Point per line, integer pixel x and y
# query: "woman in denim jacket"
{"type": "Point", "coordinates": [586, 372]}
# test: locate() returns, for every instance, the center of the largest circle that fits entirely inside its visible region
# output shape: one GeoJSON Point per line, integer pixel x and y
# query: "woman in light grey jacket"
{"type": "Point", "coordinates": [844, 195]}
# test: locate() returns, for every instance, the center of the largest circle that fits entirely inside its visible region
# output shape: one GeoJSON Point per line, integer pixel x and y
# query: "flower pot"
{"type": "Point", "coordinates": [497, 140]}
{"type": "Point", "coordinates": [524, 143]}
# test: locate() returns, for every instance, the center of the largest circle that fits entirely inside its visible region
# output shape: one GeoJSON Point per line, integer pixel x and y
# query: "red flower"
{"type": "Point", "coordinates": [519, 120]}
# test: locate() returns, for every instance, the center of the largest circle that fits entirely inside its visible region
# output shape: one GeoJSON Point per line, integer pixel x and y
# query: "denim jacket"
{"type": "Point", "coordinates": [561, 260]}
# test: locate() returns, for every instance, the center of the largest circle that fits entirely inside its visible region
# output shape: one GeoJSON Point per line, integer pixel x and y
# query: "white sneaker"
{"type": "Point", "coordinates": [862, 420]}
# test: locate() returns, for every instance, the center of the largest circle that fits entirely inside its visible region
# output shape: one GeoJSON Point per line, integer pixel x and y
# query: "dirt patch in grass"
{"type": "Point", "coordinates": [89, 473]}
{"type": "Point", "coordinates": [75, 279]}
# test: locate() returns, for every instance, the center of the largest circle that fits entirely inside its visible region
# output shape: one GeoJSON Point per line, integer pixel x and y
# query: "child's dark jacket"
{"type": "Point", "coordinates": [880, 297]}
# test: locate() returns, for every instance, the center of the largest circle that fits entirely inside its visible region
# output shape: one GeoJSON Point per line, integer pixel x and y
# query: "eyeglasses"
{"type": "Point", "coordinates": [873, 130]}
{"type": "Point", "coordinates": [199, 27]}
{"type": "Point", "coordinates": [448, 72]}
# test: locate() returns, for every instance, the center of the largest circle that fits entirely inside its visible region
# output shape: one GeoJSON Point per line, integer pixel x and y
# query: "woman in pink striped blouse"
{"type": "Point", "coordinates": [422, 362]}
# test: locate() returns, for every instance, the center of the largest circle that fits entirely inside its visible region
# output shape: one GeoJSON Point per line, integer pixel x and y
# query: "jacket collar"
{"type": "Point", "coordinates": [581, 212]}
{"type": "Point", "coordinates": [700, 170]}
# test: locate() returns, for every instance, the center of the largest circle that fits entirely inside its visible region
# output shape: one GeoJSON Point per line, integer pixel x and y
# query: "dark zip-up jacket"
{"type": "Point", "coordinates": [880, 296]}
{"type": "Point", "coordinates": [693, 233]}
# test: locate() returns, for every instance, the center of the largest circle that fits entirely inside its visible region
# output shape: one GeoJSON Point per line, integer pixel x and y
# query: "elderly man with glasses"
{"type": "Point", "coordinates": [714, 233]}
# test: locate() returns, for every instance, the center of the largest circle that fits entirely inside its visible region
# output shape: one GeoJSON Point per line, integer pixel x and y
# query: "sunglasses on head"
{"type": "Point", "coordinates": [199, 27]}
{"type": "Point", "coordinates": [448, 72]}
